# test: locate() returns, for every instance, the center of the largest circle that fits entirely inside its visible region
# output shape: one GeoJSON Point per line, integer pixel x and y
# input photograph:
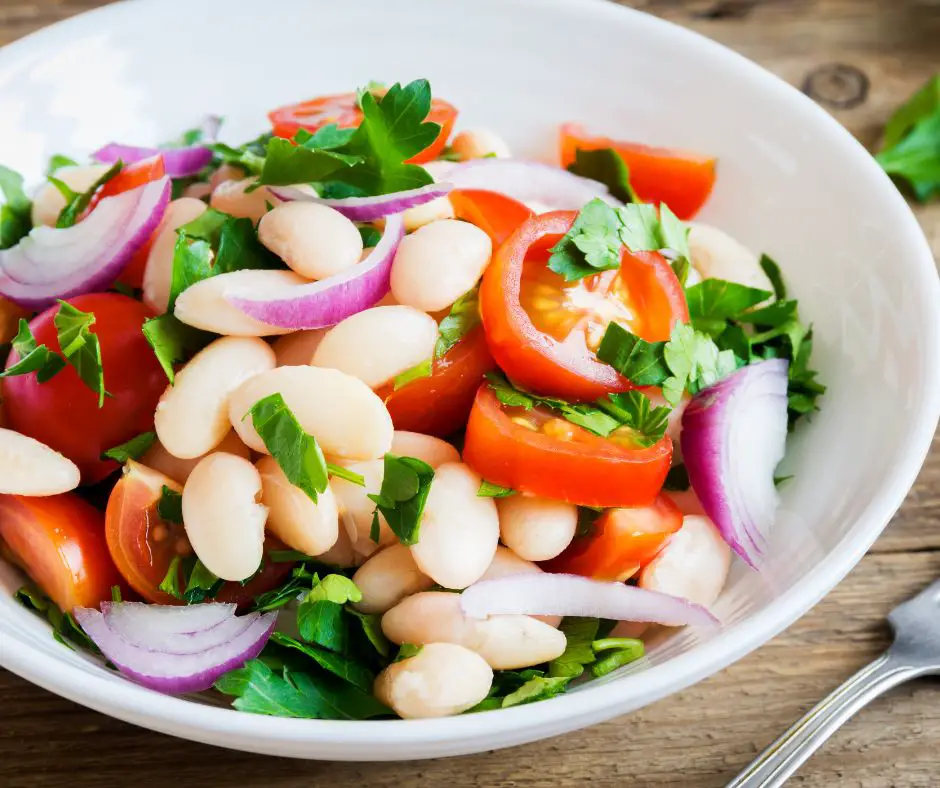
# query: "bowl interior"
{"type": "Point", "coordinates": [791, 183]}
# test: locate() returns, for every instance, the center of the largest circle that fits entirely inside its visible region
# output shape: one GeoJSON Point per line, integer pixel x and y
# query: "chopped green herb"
{"type": "Point", "coordinates": [370, 236]}
{"type": "Point", "coordinates": [579, 634]}
{"type": "Point", "coordinates": [173, 341]}
{"type": "Point", "coordinates": [407, 651]}
{"type": "Point", "coordinates": [339, 665]}
{"type": "Point", "coordinates": [713, 302]}
{"type": "Point", "coordinates": [300, 581]}
{"type": "Point", "coordinates": [633, 409]}
{"type": "Point", "coordinates": [116, 594]}
{"type": "Point", "coordinates": [15, 213]}
{"type": "Point", "coordinates": [170, 506]}
{"type": "Point", "coordinates": [772, 270]}
{"type": "Point", "coordinates": [590, 246]}
{"type": "Point", "coordinates": [639, 361]}
{"type": "Point", "coordinates": [463, 317]}
{"type": "Point", "coordinates": [418, 371]}
{"type": "Point", "coordinates": [133, 449]}
{"type": "Point", "coordinates": [677, 480]}
{"type": "Point", "coordinates": [40, 359]}
{"type": "Point", "coordinates": [286, 164]}
{"type": "Point", "coordinates": [57, 162]}
{"type": "Point", "coordinates": [287, 556]}
{"type": "Point", "coordinates": [329, 137]}
{"type": "Point", "coordinates": [490, 490]}
{"type": "Point", "coordinates": [80, 346]}
{"type": "Point", "coordinates": [405, 486]}
{"type": "Point", "coordinates": [65, 628]}
{"type": "Point", "coordinates": [608, 167]}
{"type": "Point", "coordinates": [334, 588]}
{"type": "Point", "coordinates": [77, 203]}
{"type": "Point", "coordinates": [324, 623]}
{"type": "Point", "coordinates": [344, 473]}
{"type": "Point", "coordinates": [371, 624]}
{"type": "Point", "coordinates": [623, 651]}
{"type": "Point", "coordinates": [538, 688]}
{"type": "Point", "coordinates": [171, 581]}
{"type": "Point", "coordinates": [201, 584]}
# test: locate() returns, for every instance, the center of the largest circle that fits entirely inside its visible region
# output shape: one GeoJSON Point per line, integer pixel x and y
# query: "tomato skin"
{"type": "Point", "coordinates": [620, 542]}
{"type": "Point", "coordinates": [542, 363]}
{"type": "Point", "coordinates": [343, 110]}
{"type": "Point", "coordinates": [63, 412]}
{"type": "Point", "coordinates": [59, 541]}
{"type": "Point", "coordinates": [439, 405]}
{"type": "Point", "coordinates": [681, 179]}
{"type": "Point", "coordinates": [496, 214]}
{"type": "Point", "coordinates": [588, 470]}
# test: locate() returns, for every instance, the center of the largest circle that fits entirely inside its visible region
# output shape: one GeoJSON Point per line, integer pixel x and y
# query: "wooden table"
{"type": "Point", "coordinates": [702, 736]}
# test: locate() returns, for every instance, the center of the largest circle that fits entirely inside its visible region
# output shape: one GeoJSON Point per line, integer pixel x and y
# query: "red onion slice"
{"type": "Point", "coordinates": [179, 162]}
{"type": "Point", "coordinates": [368, 209]}
{"type": "Point", "coordinates": [193, 671]}
{"type": "Point", "coordinates": [327, 302]}
{"type": "Point", "coordinates": [572, 595]}
{"type": "Point", "coordinates": [144, 630]}
{"type": "Point", "coordinates": [529, 181]}
{"type": "Point", "coordinates": [52, 263]}
{"type": "Point", "coordinates": [733, 436]}
{"type": "Point", "coordinates": [137, 620]}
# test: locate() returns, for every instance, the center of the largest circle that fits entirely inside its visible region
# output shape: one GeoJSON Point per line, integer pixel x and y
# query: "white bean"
{"type": "Point", "coordinates": [348, 420]}
{"type": "Point", "coordinates": [379, 343]}
{"type": "Point", "coordinates": [227, 172]}
{"type": "Point", "coordinates": [505, 564]}
{"type": "Point", "coordinates": [28, 467]}
{"type": "Point", "coordinates": [433, 451]}
{"type": "Point", "coordinates": [356, 508]}
{"type": "Point", "coordinates": [536, 529]}
{"type": "Point", "coordinates": [420, 215]}
{"type": "Point", "coordinates": [158, 272]}
{"type": "Point", "coordinates": [231, 197]}
{"type": "Point", "coordinates": [693, 565]}
{"type": "Point", "coordinates": [459, 530]}
{"type": "Point", "coordinates": [158, 458]}
{"type": "Point", "coordinates": [506, 642]}
{"type": "Point", "coordinates": [438, 263]}
{"type": "Point", "coordinates": [297, 349]}
{"type": "Point", "coordinates": [222, 516]}
{"type": "Point", "coordinates": [48, 201]}
{"type": "Point", "coordinates": [293, 517]}
{"type": "Point", "coordinates": [440, 681]}
{"type": "Point", "coordinates": [203, 305]}
{"type": "Point", "coordinates": [192, 415]}
{"type": "Point", "coordinates": [387, 578]}
{"type": "Point", "coordinates": [341, 555]}
{"type": "Point", "coordinates": [477, 143]}
{"type": "Point", "coordinates": [314, 240]}
{"type": "Point", "coordinates": [716, 255]}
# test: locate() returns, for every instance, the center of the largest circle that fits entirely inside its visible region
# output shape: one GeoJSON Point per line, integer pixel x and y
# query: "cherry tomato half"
{"type": "Point", "coordinates": [63, 412]}
{"type": "Point", "coordinates": [620, 542]}
{"type": "Point", "coordinates": [544, 332]}
{"type": "Point", "coordinates": [343, 110]}
{"type": "Point", "coordinates": [439, 404]}
{"type": "Point", "coordinates": [496, 214]}
{"type": "Point", "coordinates": [681, 179]}
{"type": "Point", "coordinates": [533, 451]}
{"type": "Point", "coordinates": [59, 542]}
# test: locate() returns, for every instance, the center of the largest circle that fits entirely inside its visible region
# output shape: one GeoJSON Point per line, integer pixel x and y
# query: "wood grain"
{"type": "Point", "coordinates": [700, 737]}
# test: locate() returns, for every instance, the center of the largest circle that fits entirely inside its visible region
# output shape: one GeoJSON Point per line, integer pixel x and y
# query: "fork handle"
{"type": "Point", "coordinates": [778, 762]}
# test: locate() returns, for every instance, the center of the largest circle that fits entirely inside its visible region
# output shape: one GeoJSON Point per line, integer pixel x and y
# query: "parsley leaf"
{"type": "Point", "coordinates": [32, 357]}
{"type": "Point", "coordinates": [301, 580]}
{"type": "Point", "coordinates": [77, 203]}
{"type": "Point", "coordinates": [712, 302]}
{"type": "Point", "coordinates": [171, 580]}
{"type": "Point", "coordinates": [322, 622]}
{"type": "Point", "coordinates": [371, 624]}
{"type": "Point", "coordinates": [201, 584]}
{"type": "Point", "coordinates": [286, 164]}
{"type": "Point", "coordinates": [634, 410]}
{"type": "Point", "coordinates": [170, 506]}
{"type": "Point", "coordinates": [537, 688]}
{"type": "Point", "coordinates": [407, 651]}
{"type": "Point", "coordinates": [606, 166]}
{"type": "Point", "coordinates": [173, 341]}
{"type": "Point", "coordinates": [772, 270]}
{"type": "Point", "coordinates": [133, 449]}
{"type": "Point", "coordinates": [463, 317]}
{"type": "Point", "coordinates": [418, 371]}
{"type": "Point", "coordinates": [590, 246]}
{"type": "Point", "coordinates": [15, 213]}
{"type": "Point", "coordinates": [339, 665]}
{"type": "Point", "coordinates": [622, 652]}
{"type": "Point", "coordinates": [490, 490]}
{"type": "Point", "coordinates": [911, 149]}
{"type": "Point", "coordinates": [57, 162]}
{"type": "Point", "coordinates": [579, 634]}
{"type": "Point", "coordinates": [405, 486]}
{"type": "Point", "coordinates": [81, 347]}
{"type": "Point", "coordinates": [65, 628]}
{"type": "Point", "coordinates": [297, 452]}
{"type": "Point", "coordinates": [334, 588]}
{"type": "Point", "coordinates": [639, 361]}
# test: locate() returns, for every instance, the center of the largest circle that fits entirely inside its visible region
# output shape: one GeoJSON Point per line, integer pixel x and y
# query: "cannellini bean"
{"type": "Point", "coordinates": [223, 519]}
{"type": "Point", "coordinates": [159, 270]}
{"type": "Point", "coordinates": [536, 529]}
{"type": "Point", "coordinates": [231, 197]}
{"type": "Point", "coordinates": [348, 420]}
{"type": "Point", "coordinates": [506, 563]}
{"type": "Point", "coordinates": [420, 215]}
{"type": "Point", "coordinates": [438, 263]}
{"type": "Point", "coordinates": [314, 240]}
{"type": "Point", "coordinates": [459, 530]}
{"type": "Point", "coordinates": [203, 304]}
{"type": "Point", "coordinates": [293, 517]}
{"type": "Point", "coordinates": [227, 172]}
{"type": "Point", "coordinates": [10, 316]}
{"type": "Point", "coordinates": [297, 349]}
{"type": "Point", "coordinates": [356, 508]}
{"type": "Point", "coordinates": [506, 642]}
{"type": "Point", "coordinates": [28, 467]}
{"type": "Point", "coordinates": [693, 565]}
{"type": "Point", "coordinates": [477, 143]}
{"type": "Point", "coordinates": [341, 555]}
{"type": "Point", "coordinates": [379, 343]}
{"type": "Point", "coordinates": [716, 255]}
{"type": "Point", "coordinates": [158, 458]}
{"type": "Point", "coordinates": [387, 578]}
{"type": "Point", "coordinates": [192, 415]}
{"type": "Point", "coordinates": [48, 201]}
{"type": "Point", "coordinates": [433, 451]}
{"type": "Point", "coordinates": [441, 680]}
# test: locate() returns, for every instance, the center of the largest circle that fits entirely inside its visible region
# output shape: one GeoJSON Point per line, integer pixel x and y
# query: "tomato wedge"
{"type": "Point", "coordinates": [439, 404]}
{"type": "Point", "coordinates": [681, 179]}
{"type": "Point", "coordinates": [59, 542]}
{"type": "Point", "coordinates": [496, 214]}
{"type": "Point", "coordinates": [343, 110]}
{"type": "Point", "coordinates": [544, 332]}
{"type": "Point", "coordinates": [620, 542]}
{"type": "Point", "coordinates": [535, 452]}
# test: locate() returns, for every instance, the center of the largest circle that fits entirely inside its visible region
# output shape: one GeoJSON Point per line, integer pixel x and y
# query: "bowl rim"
{"type": "Point", "coordinates": [466, 733]}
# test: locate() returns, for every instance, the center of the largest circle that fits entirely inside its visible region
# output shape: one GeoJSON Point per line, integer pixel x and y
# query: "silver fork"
{"type": "Point", "coordinates": [915, 652]}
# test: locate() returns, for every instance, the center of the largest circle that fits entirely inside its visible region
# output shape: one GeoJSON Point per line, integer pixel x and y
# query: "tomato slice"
{"type": "Point", "coordinates": [620, 542]}
{"type": "Point", "coordinates": [496, 214]}
{"type": "Point", "coordinates": [59, 542]}
{"type": "Point", "coordinates": [343, 110]}
{"type": "Point", "coordinates": [143, 545]}
{"type": "Point", "coordinates": [439, 404]}
{"type": "Point", "coordinates": [544, 332]}
{"type": "Point", "coordinates": [535, 452]}
{"type": "Point", "coordinates": [681, 179]}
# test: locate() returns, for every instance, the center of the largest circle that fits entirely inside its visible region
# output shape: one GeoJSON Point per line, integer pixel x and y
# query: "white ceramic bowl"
{"type": "Point", "coordinates": [791, 182]}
